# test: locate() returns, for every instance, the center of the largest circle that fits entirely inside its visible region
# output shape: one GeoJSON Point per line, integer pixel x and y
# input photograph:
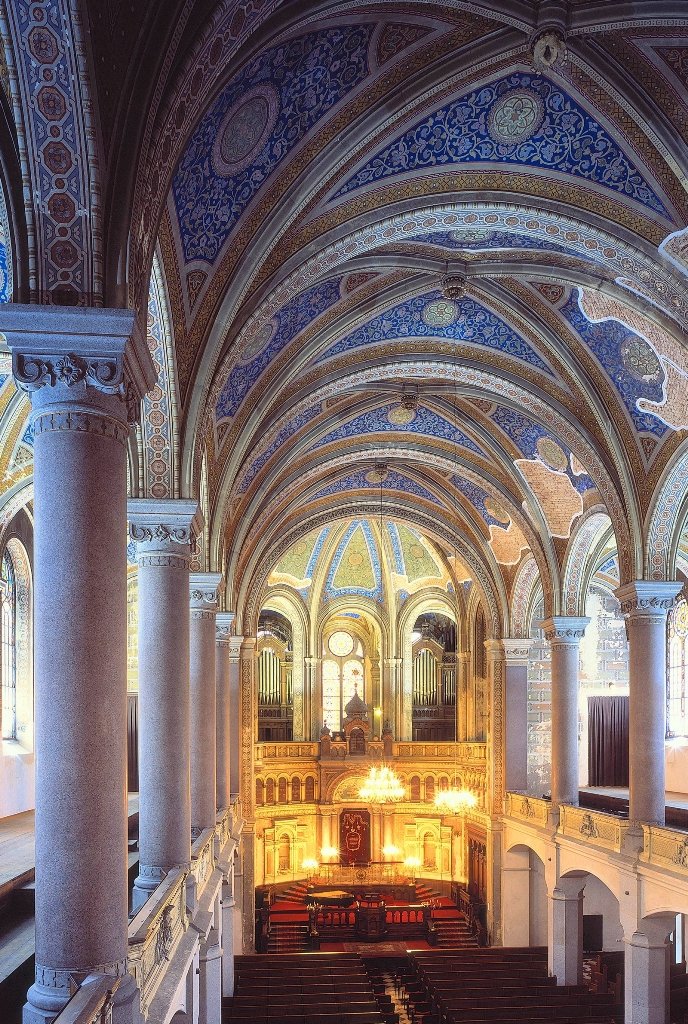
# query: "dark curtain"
{"type": "Point", "coordinates": [133, 742]}
{"type": "Point", "coordinates": [608, 741]}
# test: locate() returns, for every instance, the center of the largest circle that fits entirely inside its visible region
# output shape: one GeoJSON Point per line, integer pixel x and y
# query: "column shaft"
{"type": "Point", "coordinates": [234, 677]}
{"type": "Point", "coordinates": [163, 532]}
{"type": "Point", "coordinates": [79, 365]}
{"type": "Point", "coordinates": [223, 624]}
{"type": "Point", "coordinates": [204, 594]}
{"type": "Point", "coordinates": [564, 634]}
{"type": "Point", "coordinates": [566, 937]}
{"type": "Point", "coordinates": [645, 606]}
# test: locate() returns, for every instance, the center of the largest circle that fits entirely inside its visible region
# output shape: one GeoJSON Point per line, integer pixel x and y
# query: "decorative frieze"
{"type": "Point", "coordinates": [205, 590]}
{"type": "Point", "coordinates": [163, 530]}
{"type": "Point", "coordinates": [565, 629]}
{"type": "Point", "coordinates": [647, 599]}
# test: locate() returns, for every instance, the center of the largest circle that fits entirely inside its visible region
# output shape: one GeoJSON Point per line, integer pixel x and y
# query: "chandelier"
{"type": "Point", "coordinates": [455, 801]}
{"type": "Point", "coordinates": [381, 786]}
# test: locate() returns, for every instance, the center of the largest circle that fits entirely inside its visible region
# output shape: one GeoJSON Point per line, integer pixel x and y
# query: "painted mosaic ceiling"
{"type": "Point", "coordinates": [405, 269]}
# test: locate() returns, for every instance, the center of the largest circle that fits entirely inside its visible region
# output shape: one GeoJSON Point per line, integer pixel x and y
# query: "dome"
{"type": "Point", "coordinates": [356, 708]}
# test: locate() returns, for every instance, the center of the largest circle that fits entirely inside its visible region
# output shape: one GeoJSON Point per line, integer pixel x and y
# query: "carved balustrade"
{"type": "Point", "coordinates": [155, 933]}
{"type": "Point", "coordinates": [665, 848]}
{"type": "Point", "coordinates": [202, 860]}
{"type": "Point", "coordinates": [594, 827]}
{"type": "Point", "coordinates": [529, 808]}
{"type": "Point", "coordinates": [92, 1003]}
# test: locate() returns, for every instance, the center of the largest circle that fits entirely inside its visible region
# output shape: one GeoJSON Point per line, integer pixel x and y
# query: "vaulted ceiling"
{"type": "Point", "coordinates": [406, 259]}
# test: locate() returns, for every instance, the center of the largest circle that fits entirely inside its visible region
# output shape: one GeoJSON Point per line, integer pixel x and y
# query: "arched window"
{"type": "Point", "coordinates": [270, 791]}
{"type": "Point", "coordinates": [429, 851]}
{"type": "Point", "coordinates": [8, 613]}
{"type": "Point", "coordinates": [284, 854]}
{"type": "Point", "coordinates": [296, 790]}
{"type": "Point", "coordinates": [310, 789]}
{"type": "Point", "coordinates": [429, 788]}
{"type": "Point", "coordinates": [282, 791]}
{"type": "Point", "coordinates": [357, 742]}
{"type": "Point", "coordinates": [677, 674]}
{"type": "Point", "coordinates": [342, 675]}
{"type": "Point", "coordinates": [260, 792]}
{"type": "Point", "coordinates": [414, 787]}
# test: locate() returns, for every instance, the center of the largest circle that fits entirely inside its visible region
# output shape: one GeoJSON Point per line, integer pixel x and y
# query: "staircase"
{"type": "Point", "coordinates": [453, 932]}
{"type": "Point", "coordinates": [297, 892]}
{"type": "Point", "coordinates": [450, 924]}
{"type": "Point", "coordinates": [288, 937]}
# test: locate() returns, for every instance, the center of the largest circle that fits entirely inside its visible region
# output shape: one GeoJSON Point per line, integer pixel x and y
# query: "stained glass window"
{"type": "Point", "coordinates": [677, 670]}
{"type": "Point", "coordinates": [342, 676]}
{"type": "Point", "coordinates": [8, 599]}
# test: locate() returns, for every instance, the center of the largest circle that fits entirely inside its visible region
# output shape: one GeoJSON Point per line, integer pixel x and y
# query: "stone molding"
{"type": "Point", "coordinates": [51, 979]}
{"type": "Point", "coordinates": [205, 589]}
{"type": "Point", "coordinates": [516, 650]}
{"type": "Point", "coordinates": [223, 629]}
{"type": "Point", "coordinates": [565, 630]}
{"type": "Point", "coordinates": [79, 352]}
{"type": "Point", "coordinates": [82, 421]}
{"type": "Point", "coordinates": [164, 530]}
{"type": "Point", "coordinates": [648, 599]}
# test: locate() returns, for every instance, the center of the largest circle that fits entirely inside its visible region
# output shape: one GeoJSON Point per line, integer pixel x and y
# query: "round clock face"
{"type": "Point", "coordinates": [341, 644]}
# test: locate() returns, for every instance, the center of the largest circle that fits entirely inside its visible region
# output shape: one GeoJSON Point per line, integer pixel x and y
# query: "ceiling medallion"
{"type": "Point", "coordinates": [497, 511]}
{"type": "Point", "coordinates": [377, 475]}
{"type": "Point", "coordinates": [640, 359]}
{"type": "Point", "coordinates": [244, 130]}
{"type": "Point", "coordinates": [255, 345]}
{"type": "Point", "coordinates": [552, 454]}
{"type": "Point", "coordinates": [400, 416]}
{"type": "Point", "coordinates": [440, 313]}
{"type": "Point", "coordinates": [516, 116]}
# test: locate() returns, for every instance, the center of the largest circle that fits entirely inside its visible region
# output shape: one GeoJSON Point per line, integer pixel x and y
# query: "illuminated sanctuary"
{"type": "Point", "coordinates": [343, 511]}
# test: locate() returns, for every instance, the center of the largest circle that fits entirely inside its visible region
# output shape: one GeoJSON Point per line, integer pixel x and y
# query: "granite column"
{"type": "Point", "coordinates": [86, 371]}
{"type": "Point", "coordinates": [645, 606]}
{"type": "Point", "coordinates": [223, 641]}
{"type": "Point", "coordinates": [204, 590]}
{"type": "Point", "coordinates": [564, 634]}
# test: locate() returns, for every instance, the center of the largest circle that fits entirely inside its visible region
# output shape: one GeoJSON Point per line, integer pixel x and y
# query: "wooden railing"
{"type": "Point", "coordinates": [474, 910]}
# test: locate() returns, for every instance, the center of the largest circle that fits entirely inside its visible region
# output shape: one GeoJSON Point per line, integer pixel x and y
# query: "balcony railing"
{"type": "Point", "coordinates": [665, 848]}
{"type": "Point", "coordinates": [92, 1003]}
{"type": "Point", "coordinates": [286, 751]}
{"type": "Point", "coordinates": [155, 933]}
{"type": "Point", "coordinates": [462, 752]}
{"type": "Point", "coordinates": [528, 808]}
{"type": "Point", "coordinates": [594, 827]}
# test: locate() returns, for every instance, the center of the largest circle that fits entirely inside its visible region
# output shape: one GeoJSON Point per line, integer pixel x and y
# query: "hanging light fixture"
{"type": "Point", "coordinates": [382, 786]}
{"type": "Point", "coordinates": [455, 799]}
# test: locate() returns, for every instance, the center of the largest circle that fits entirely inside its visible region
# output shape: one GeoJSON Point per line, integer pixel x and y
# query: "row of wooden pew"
{"type": "Point", "coordinates": [306, 988]}
{"type": "Point", "coordinates": [504, 985]}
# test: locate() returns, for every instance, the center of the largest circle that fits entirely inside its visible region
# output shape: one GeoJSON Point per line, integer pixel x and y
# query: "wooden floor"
{"type": "Point", "coordinates": [18, 849]}
{"type": "Point", "coordinates": [17, 868]}
{"type": "Point", "coordinates": [621, 793]}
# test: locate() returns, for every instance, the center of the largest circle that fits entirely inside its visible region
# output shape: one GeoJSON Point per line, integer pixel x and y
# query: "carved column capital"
{"type": "Point", "coordinates": [234, 645]}
{"type": "Point", "coordinates": [647, 598]}
{"type": "Point", "coordinates": [205, 590]}
{"type": "Point", "coordinates": [565, 630]}
{"type": "Point", "coordinates": [516, 650]}
{"type": "Point", "coordinates": [92, 362]}
{"type": "Point", "coordinates": [223, 629]}
{"type": "Point", "coordinates": [163, 530]}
